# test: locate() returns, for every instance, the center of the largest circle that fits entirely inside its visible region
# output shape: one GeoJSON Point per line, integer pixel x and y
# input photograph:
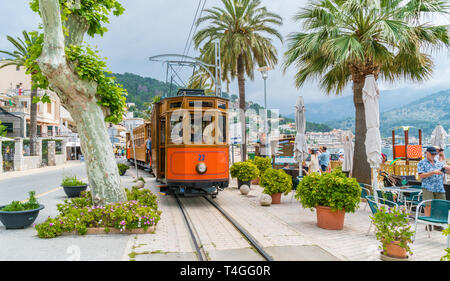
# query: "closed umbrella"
{"type": "Point", "coordinates": [371, 95]}
{"type": "Point", "coordinates": [347, 166]}
{"type": "Point", "coordinates": [300, 149]}
{"type": "Point", "coordinates": [438, 137]}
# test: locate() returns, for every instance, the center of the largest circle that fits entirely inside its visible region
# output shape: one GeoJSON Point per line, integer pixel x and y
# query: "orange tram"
{"type": "Point", "coordinates": [189, 143]}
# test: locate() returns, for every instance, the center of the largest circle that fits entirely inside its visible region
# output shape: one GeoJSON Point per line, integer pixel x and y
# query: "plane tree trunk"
{"type": "Point", "coordinates": [79, 98]}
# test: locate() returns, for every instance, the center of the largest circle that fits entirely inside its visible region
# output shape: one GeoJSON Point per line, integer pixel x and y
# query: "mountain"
{"type": "Point", "coordinates": [425, 113]}
{"type": "Point", "coordinates": [342, 108]}
{"type": "Point", "coordinates": [141, 89]}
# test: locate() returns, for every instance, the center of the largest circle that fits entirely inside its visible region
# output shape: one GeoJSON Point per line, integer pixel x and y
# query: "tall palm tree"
{"type": "Point", "coordinates": [244, 30]}
{"type": "Point", "coordinates": [345, 40]}
{"type": "Point", "coordinates": [18, 58]}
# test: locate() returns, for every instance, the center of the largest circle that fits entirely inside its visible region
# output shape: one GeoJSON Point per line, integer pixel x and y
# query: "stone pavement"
{"type": "Point", "coordinates": [287, 231]}
{"type": "Point", "coordinates": [351, 243]}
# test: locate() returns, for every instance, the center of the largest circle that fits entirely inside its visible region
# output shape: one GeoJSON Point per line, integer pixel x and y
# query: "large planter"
{"type": "Point", "coordinates": [121, 173]}
{"type": "Point", "coordinates": [240, 183]}
{"type": "Point", "coordinates": [74, 191]}
{"type": "Point", "coordinates": [19, 219]}
{"type": "Point", "coordinates": [276, 198]}
{"type": "Point", "coordinates": [327, 219]}
{"type": "Point", "coordinates": [395, 251]}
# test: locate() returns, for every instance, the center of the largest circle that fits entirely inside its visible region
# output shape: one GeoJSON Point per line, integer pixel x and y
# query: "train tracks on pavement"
{"type": "Point", "coordinates": [200, 250]}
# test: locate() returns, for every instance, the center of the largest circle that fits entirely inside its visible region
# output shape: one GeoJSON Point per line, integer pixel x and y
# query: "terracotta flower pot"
{"type": "Point", "coordinates": [255, 181]}
{"type": "Point", "coordinates": [394, 250]}
{"type": "Point", "coordinates": [276, 198]}
{"type": "Point", "coordinates": [328, 219]}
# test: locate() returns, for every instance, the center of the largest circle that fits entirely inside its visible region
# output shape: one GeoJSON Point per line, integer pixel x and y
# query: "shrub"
{"type": "Point", "coordinates": [276, 181]}
{"type": "Point", "coordinates": [122, 168]}
{"type": "Point", "coordinates": [447, 256]}
{"type": "Point", "coordinates": [262, 163]}
{"type": "Point", "coordinates": [72, 181]}
{"type": "Point", "coordinates": [77, 214]}
{"type": "Point", "coordinates": [392, 225]}
{"type": "Point", "coordinates": [244, 171]}
{"type": "Point", "coordinates": [15, 206]}
{"type": "Point", "coordinates": [334, 190]}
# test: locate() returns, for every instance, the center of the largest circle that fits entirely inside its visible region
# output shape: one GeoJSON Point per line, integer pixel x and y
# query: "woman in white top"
{"type": "Point", "coordinates": [314, 163]}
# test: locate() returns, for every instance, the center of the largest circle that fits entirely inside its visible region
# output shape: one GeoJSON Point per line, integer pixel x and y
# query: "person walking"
{"type": "Point", "coordinates": [432, 174]}
{"type": "Point", "coordinates": [314, 163]}
{"type": "Point", "coordinates": [324, 159]}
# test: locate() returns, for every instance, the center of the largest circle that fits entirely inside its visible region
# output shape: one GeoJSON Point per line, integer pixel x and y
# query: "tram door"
{"type": "Point", "coordinates": [158, 133]}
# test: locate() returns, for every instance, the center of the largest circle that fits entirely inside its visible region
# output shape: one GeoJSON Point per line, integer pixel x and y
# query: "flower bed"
{"type": "Point", "coordinates": [140, 214]}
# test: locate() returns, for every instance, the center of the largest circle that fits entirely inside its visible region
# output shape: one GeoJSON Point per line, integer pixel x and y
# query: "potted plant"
{"type": "Point", "coordinates": [276, 182]}
{"type": "Point", "coordinates": [394, 232]}
{"type": "Point", "coordinates": [20, 215]}
{"type": "Point", "coordinates": [245, 172]}
{"type": "Point", "coordinates": [332, 195]}
{"type": "Point", "coordinates": [263, 164]}
{"type": "Point", "coordinates": [122, 168]}
{"type": "Point", "coordinates": [73, 186]}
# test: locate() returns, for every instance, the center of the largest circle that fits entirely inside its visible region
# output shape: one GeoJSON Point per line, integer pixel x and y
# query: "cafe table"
{"type": "Point", "coordinates": [402, 190]}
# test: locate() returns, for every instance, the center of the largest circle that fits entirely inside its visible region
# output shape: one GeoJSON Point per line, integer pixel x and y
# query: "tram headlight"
{"type": "Point", "coordinates": [201, 168]}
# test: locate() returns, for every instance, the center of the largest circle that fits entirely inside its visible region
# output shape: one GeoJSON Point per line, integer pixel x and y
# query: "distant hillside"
{"type": "Point", "coordinates": [423, 114]}
{"type": "Point", "coordinates": [343, 107]}
{"type": "Point", "coordinates": [140, 89]}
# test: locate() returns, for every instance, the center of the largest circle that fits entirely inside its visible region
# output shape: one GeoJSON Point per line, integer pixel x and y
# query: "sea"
{"type": "Point", "coordinates": [388, 152]}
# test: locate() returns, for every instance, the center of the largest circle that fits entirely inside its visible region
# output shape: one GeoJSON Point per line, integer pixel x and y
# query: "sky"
{"type": "Point", "coordinates": [154, 27]}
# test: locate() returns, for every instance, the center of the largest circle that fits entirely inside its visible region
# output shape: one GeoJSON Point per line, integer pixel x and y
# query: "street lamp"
{"type": "Point", "coordinates": [264, 72]}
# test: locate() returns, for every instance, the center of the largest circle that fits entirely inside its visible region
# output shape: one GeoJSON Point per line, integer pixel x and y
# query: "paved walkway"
{"type": "Point", "coordinates": [351, 243]}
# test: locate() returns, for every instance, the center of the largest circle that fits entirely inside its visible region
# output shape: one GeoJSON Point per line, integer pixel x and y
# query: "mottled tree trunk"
{"type": "Point", "coordinates": [33, 123]}
{"type": "Point", "coordinates": [241, 84]}
{"type": "Point", "coordinates": [361, 168]}
{"type": "Point", "coordinates": [79, 98]}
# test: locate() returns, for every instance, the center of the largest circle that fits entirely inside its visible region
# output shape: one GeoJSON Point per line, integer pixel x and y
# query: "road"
{"type": "Point", "coordinates": [17, 188]}
{"type": "Point", "coordinates": [24, 245]}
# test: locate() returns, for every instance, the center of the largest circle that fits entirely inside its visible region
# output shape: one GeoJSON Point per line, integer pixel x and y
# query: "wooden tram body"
{"type": "Point", "coordinates": [190, 143]}
{"type": "Point", "coordinates": [140, 135]}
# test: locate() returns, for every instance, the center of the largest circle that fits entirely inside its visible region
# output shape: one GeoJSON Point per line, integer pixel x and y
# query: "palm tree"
{"type": "Point", "coordinates": [244, 30]}
{"type": "Point", "coordinates": [18, 59]}
{"type": "Point", "coordinates": [345, 40]}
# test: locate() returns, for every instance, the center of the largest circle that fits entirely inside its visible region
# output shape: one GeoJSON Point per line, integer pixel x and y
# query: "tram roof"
{"type": "Point", "coordinates": [193, 93]}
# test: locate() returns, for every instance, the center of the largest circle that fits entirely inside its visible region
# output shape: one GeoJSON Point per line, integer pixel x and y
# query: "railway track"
{"type": "Point", "coordinates": [200, 251]}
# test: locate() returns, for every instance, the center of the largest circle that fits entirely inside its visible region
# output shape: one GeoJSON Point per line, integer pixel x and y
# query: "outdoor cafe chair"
{"type": "Point", "coordinates": [439, 214]}
{"type": "Point", "coordinates": [364, 193]}
{"type": "Point", "coordinates": [374, 205]}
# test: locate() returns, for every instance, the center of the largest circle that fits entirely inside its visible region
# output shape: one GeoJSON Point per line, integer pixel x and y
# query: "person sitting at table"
{"type": "Point", "coordinates": [431, 173]}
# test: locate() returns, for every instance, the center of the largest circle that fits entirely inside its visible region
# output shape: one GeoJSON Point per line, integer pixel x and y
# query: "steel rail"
{"type": "Point", "coordinates": [242, 230]}
{"type": "Point", "coordinates": [200, 251]}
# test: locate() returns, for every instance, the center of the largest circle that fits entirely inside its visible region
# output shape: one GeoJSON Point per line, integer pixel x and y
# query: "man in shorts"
{"type": "Point", "coordinates": [431, 173]}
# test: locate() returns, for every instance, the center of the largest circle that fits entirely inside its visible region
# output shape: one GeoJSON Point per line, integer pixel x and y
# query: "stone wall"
{"type": "Point", "coordinates": [31, 162]}
{"type": "Point", "coordinates": [60, 159]}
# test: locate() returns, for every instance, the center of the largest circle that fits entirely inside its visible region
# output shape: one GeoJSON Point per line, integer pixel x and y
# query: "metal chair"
{"type": "Point", "coordinates": [364, 193]}
{"type": "Point", "coordinates": [439, 214]}
{"type": "Point", "coordinates": [375, 205]}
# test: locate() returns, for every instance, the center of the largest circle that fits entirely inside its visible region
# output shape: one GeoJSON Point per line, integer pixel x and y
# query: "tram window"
{"type": "Point", "coordinates": [175, 105]}
{"type": "Point", "coordinates": [222, 105]}
{"type": "Point", "coordinates": [202, 104]}
{"type": "Point", "coordinates": [208, 128]}
{"type": "Point", "coordinates": [176, 130]}
{"type": "Point", "coordinates": [163, 131]}
{"type": "Point", "coordinates": [222, 128]}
